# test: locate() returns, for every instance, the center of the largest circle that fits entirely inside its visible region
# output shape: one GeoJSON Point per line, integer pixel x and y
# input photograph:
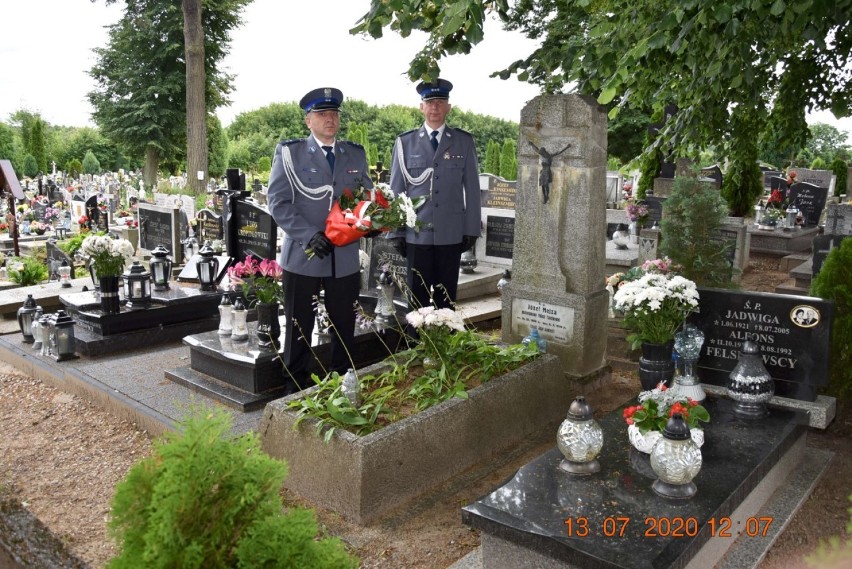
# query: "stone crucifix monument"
{"type": "Point", "coordinates": [559, 252]}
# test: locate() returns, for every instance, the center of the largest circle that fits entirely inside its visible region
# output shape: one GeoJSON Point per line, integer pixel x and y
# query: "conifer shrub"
{"type": "Point", "coordinates": [205, 499]}
{"type": "Point", "coordinates": [692, 216]}
{"type": "Point", "coordinates": [833, 283]}
{"type": "Point", "coordinates": [649, 168]}
{"type": "Point", "coordinates": [840, 169]}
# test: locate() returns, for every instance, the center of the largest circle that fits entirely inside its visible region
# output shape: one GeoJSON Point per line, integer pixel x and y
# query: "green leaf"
{"type": "Point", "coordinates": [778, 8]}
{"type": "Point", "coordinates": [607, 95]}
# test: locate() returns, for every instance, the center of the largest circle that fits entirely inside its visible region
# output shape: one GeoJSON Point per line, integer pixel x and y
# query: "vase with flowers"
{"type": "Point", "coordinates": [260, 282]}
{"type": "Point", "coordinates": [654, 306]}
{"type": "Point", "coordinates": [646, 421]}
{"type": "Point", "coordinates": [107, 257]}
{"type": "Point", "coordinates": [435, 327]}
{"type": "Point", "coordinates": [637, 213]}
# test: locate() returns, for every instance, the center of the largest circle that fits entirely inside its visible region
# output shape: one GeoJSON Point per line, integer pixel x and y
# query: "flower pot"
{"type": "Point", "coordinates": [268, 326]}
{"type": "Point", "coordinates": [645, 443]}
{"type": "Point", "coordinates": [656, 364]}
{"type": "Point", "coordinates": [110, 302]}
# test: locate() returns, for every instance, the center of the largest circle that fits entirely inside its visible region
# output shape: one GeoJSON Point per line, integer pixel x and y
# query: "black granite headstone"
{"type": "Point", "coordinates": [499, 236]}
{"type": "Point", "coordinates": [810, 199]}
{"type": "Point", "coordinates": [792, 332]}
{"type": "Point", "coordinates": [822, 246]}
{"type": "Point", "coordinates": [777, 183]}
{"type": "Point", "coordinates": [158, 226]}
{"type": "Point", "coordinates": [209, 226]}
{"type": "Point", "coordinates": [383, 254]}
{"type": "Point", "coordinates": [655, 209]}
{"type": "Point", "coordinates": [713, 172]}
{"type": "Point", "coordinates": [93, 212]}
{"type": "Point", "coordinates": [38, 211]}
{"type": "Point", "coordinates": [55, 257]}
{"type": "Point", "coordinates": [768, 175]}
{"type": "Point", "coordinates": [255, 231]}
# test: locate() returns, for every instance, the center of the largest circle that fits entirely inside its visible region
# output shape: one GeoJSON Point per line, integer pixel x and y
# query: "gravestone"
{"type": "Point", "coordinates": [821, 247]}
{"type": "Point", "coordinates": [768, 175]}
{"type": "Point", "coordinates": [55, 258]}
{"type": "Point", "coordinates": [713, 172]}
{"type": "Point", "coordinates": [613, 189]}
{"type": "Point", "coordinates": [792, 332]}
{"type": "Point", "coordinates": [810, 199]}
{"type": "Point", "coordinates": [38, 211]}
{"type": "Point", "coordinates": [55, 193]}
{"type": "Point", "coordinates": [777, 183]}
{"type": "Point", "coordinates": [98, 219]}
{"type": "Point", "coordinates": [838, 219]}
{"type": "Point", "coordinates": [559, 257]}
{"type": "Point", "coordinates": [251, 231]}
{"type": "Point", "coordinates": [159, 226]}
{"type": "Point", "coordinates": [209, 226]}
{"type": "Point", "coordinates": [655, 209]}
{"type": "Point", "coordinates": [499, 198]}
{"type": "Point", "coordinates": [821, 178]}
{"type": "Point", "coordinates": [382, 254]}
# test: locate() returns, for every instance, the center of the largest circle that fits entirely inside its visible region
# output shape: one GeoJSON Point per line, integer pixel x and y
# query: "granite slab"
{"type": "Point", "coordinates": [619, 509]}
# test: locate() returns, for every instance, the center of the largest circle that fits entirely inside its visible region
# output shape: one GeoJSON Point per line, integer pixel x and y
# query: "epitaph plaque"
{"type": "Point", "coordinates": [792, 332]}
{"type": "Point", "coordinates": [501, 194]}
{"type": "Point", "coordinates": [551, 320]}
{"type": "Point", "coordinates": [821, 178]}
{"type": "Point", "coordinates": [838, 219]}
{"type": "Point", "coordinates": [810, 199]}
{"type": "Point", "coordinates": [255, 231]}
{"type": "Point", "coordinates": [499, 236]}
{"type": "Point", "coordinates": [383, 254]}
{"type": "Point", "coordinates": [159, 226]}
{"type": "Point", "coordinates": [209, 226]}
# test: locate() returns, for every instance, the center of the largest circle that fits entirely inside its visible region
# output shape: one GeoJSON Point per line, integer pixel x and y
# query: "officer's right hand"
{"type": "Point", "coordinates": [398, 243]}
{"type": "Point", "coordinates": [320, 244]}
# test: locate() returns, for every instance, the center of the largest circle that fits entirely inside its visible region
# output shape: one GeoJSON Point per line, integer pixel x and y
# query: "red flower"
{"type": "Point", "coordinates": [776, 197]}
{"type": "Point", "coordinates": [630, 421]}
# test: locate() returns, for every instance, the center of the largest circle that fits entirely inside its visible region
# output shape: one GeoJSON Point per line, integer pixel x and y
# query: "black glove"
{"type": "Point", "coordinates": [373, 234]}
{"type": "Point", "coordinates": [320, 245]}
{"type": "Point", "coordinates": [398, 243]}
{"type": "Point", "coordinates": [468, 241]}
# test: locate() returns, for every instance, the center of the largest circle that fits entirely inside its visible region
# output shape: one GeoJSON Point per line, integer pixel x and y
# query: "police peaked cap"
{"type": "Point", "coordinates": [322, 99]}
{"type": "Point", "coordinates": [438, 89]}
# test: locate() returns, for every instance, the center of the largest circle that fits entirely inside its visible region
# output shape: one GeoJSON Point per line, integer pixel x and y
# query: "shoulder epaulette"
{"type": "Point", "coordinates": [291, 141]}
{"type": "Point", "coordinates": [410, 131]}
{"type": "Point", "coordinates": [461, 130]}
{"type": "Point", "coordinates": [350, 143]}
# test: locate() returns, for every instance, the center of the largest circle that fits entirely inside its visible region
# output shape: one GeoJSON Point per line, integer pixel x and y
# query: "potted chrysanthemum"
{"type": "Point", "coordinates": [646, 421]}
{"type": "Point", "coordinates": [106, 259]}
{"type": "Point", "coordinates": [654, 307]}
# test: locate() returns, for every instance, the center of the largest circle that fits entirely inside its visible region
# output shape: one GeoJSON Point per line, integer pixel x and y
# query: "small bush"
{"type": "Point", "coordinates": [840, 169]}
{"type": "Point", "coordinates": [27, 271]}
{"type": "Point", "coordinates": [833, 283]}
{"type": "Point", "coordinates": [206, 500]}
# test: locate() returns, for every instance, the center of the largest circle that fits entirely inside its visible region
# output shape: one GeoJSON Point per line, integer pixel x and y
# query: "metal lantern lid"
{"type": "Point", "coordinates": [226, 300]}
{"type": "Point", "coordinates": [62, 319]}
{"type": "Point", "coordinates": [159, 252]}
{"type": "Point", "coordinates": [580, 410]}
{"type": "Point", "coordinates": [137, 271]}
{"type": "Point", "coordinates": [207, 250]}
{"type": "Point", "coordinates": [29, 304]}
{"type": "Point", "coordinates": [676, 429]}
{"type": "Point", "coordinates": [238, 304]}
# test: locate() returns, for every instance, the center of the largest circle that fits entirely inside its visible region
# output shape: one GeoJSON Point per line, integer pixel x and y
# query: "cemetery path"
{"type": "Point", "coordinates": [62, 456]}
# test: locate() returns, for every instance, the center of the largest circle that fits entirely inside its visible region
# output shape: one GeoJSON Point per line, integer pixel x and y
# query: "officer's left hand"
{"type": "Point", "coordinates": [373, 234]}
{"type": "Point", "coordinates": [468, 241]}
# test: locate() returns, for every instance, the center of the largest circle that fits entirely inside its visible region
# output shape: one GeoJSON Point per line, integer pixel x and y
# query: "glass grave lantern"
{"type": "Point", "coordinates": [468, 261]}
{"type": "Point", "coordinates": [26, 314]}
{"type": "Point", "coordinates": [384, 298]}
{"type": "Point", "coordinates": [688, 344]}
{"type": "Point", "coordinates": [161, 267]}
{"type": "Point", "coordinates": [792, 213]}
{"type": "Point", "coordinates": [749, 385]}
{"type": "Point", "coordinates": [207, 267]}
{"type": "Point", "coordinates": [137, 287]}
{"type": "Point", "coordinates": [676, 460]}
{"type": "Point", "coordinates": [504, 281]}
{"type": "Point", "coordinates": [226, 316]}
{"type": "Point", "coordinates": [580, 439]}
{"type": "Point", "coordinates": [239, 331]}
{"type": "Point", "coordinates": [62, 343]}
{"type": "Point", "coordinates": [621, 237]}
{"type": "Point", "coordinates": [65, 274]}
{"type": "Point", "coordinates": [36, 329]}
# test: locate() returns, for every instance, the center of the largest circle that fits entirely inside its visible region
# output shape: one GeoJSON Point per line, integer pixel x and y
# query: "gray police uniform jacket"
{"type": "Point", "coordinates": [452, 207]}
{"type": "Point", "coordinates": [300, 214]}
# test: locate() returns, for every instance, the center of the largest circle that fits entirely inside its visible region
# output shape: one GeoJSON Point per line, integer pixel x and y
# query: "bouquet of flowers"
{"type": "Point", "coordinates": [655, 305]}
{"type": "Point", "coordinates": [657, 405]}
{"type": "Point", "coordinates": [38, 227]}
{"type": "Point", "coordinates": [51, 214]}
{"type": "Point", "coordinates": [108, 255]}
{"type": "Point", "coordinates": [434, 326]}
{"type": "Point", "coordinates": [3, 226]}
{"type": "Point", "coordinates": [260, 280]}
{"type": "Point", "coordinates": [637, 212]}
{"type": "Point", "coordinates": [627, 190]}
{"type": "Point", "coordinates": [356, 213]}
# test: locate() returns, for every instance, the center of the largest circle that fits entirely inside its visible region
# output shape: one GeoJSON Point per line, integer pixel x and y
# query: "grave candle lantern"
{"type": "Point", "coordinates": [468, 261]}
{"type": "Point", "coordinates": [384, 298]}
{"type": "Point", "coordinates": [749, 385]}
{"type": "Point", "coordinates": [207, 267]}
{"type": "Point", "coordinates": [161, 267]}
{"type": "Point", "coordinates": [65, 275]}
{"type": "Point", "coordinates": [792, 213]}
{"type": "Point", "coordinates": [676, 460]}
{"type": "Point", "coordinates": [688, 344]}
{"type": "Point", "coordinates": [226, 317]}
{"type": "Point", "coordinates": [36, 330]}
{"type": "Point", "coordinates": [26, 314]}
{"type": "Point", "coordinates": [239, 331]}
{"type": "Point", "coordinates": [62, 337]}
{"type": "Point", "coordinates": [580, 439]}
{"type": "Point", "coordinates": [137, 286]}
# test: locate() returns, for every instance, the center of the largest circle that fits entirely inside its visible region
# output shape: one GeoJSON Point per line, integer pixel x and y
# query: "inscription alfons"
{"type": "Point", "coordinates": [791, 331]}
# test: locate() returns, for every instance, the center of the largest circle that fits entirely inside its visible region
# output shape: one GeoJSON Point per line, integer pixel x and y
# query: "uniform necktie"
{"type": "Point", "coordinates": [329, 155]}
{"type": "Point", "coordinates": [434, 140]}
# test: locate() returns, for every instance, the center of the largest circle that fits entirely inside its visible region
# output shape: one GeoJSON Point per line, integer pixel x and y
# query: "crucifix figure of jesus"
{"type": "Point", "coordinates": [545, 177]}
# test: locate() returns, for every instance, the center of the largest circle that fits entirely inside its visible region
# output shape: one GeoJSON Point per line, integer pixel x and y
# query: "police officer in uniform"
{"type": "Point", "coordinates": [307, 176]}
{"type": "Point", "coordinates": [439, 163]}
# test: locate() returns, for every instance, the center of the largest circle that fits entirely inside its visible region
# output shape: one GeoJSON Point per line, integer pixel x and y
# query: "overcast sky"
{"type": "Point", "coordinates": [277, 55]}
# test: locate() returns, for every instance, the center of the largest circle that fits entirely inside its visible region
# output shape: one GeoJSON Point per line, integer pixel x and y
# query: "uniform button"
{"type": "Point", "coordinates": [437, 191]}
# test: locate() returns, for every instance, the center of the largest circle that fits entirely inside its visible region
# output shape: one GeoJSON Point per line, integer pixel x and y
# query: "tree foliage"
{"type": "Point", "coordinates": [29, 166]}
{"type": "Point", "coordinates": [206, 499]}
{"type": "Point", "coordinates": [840, 169]}
{"type": "Point", "coordinates": [771, 59]}
{"type": "Point", "coordinates": [492, 158]}
{"type": "Point", "coordinates": [38, 143]}
{"type": "Point", "coordinates": [509, 160]}
{"type": "Point", "coordinates": [91, 164]}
